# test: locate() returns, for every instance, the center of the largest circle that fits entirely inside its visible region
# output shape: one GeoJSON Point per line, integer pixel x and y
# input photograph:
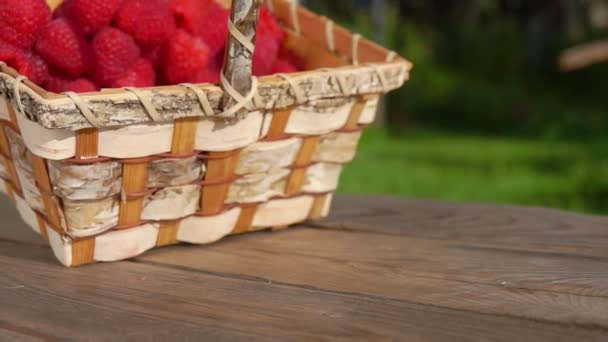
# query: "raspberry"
{"type": "Point", "coordinates": [21, 20]}
{"type": "Point", "coordinates": [149, 21]}
{"type": "Point", "coordinates": [35, 68]}
{"type": "Point", "coordinates": [188, 13]}
{"type": "Point", "coordinates": [266, 52]}
{"type": "Point", "coordinates": [268, 23]}
{"type": "Point", "coordinates": [211, 74]}
{"type": "Point", "coordinates": [268, 41]}
{"type": "Point", "coordinates": [25, 63]}
{"type": "Point", "coordinates": [213, 27]}
{"type": "Point", "coordinates": [56, 82]}
{"type": "Point", "coordinates": [154, 56]}
{"type": "Point", "coordinates": [81, 85]}
{"type": "Point", "coordinates": [207, 75]}
{"type": "Point", "coordinates": [64, 47]}
{"type": "Point", "coordinates": [140, 75]}
{"type": "Point", "coordinates": [115, 52]}
{"type": "Point", "coordinates": [282, 66]}
{"type": "Point", "coordinates": [185, 56]}
{"type": "Point", "coordinates": [93, 15]}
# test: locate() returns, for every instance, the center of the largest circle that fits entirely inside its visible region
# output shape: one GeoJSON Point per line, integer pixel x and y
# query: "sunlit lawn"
{"type": "Point", "coordinates": [431, 164]}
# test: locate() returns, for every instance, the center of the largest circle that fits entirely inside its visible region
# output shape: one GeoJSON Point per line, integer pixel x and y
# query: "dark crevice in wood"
{"type": "Point", "coordinates": [373, 297]}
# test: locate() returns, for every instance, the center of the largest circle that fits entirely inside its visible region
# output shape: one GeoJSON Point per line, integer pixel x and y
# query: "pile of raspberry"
{"type": "Point", "coordinates": [85, 45]}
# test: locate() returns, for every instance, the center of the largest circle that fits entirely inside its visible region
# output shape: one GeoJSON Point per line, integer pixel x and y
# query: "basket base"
{"type": "Point", "coordinates": [124, 244]}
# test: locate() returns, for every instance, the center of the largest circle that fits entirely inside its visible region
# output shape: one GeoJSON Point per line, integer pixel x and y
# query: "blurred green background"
{"type": "Point", "coordinates": [487, 116]}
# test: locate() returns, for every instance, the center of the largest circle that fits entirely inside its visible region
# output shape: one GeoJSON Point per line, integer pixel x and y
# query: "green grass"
{"type": "Point", "coordinates": [431, 164]}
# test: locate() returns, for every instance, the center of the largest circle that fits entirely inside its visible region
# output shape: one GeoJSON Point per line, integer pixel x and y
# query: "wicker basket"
{"type": "Point", "coordinates": [106, 176]}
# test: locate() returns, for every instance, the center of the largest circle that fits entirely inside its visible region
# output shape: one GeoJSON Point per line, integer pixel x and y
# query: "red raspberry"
{"type": "Point", "coordinates": [154, 56]}
{"type": "Point", "coordinates": [140, 75]}
{"type": "Point", "coordinates": [211, 74]}
{"type": "Point", "coordinates": [56, 82]}
{"type": "Point", "coordinates": [35, 68]}
{"type": "Point", "coordinates": [282, 66]}
{"type": "Point", "coordinates": [268, 41]}
{"type": "Point", "coordinates": [185, 56]}
{"type": "Point", "coordinates": [21, 20]}
{"type": "Point", "coordinates": [266, 52]}
{"type": "Point", "coordinates": [128, 14]}
{"type": "Point", "coordinates": [81, 85]}
{"type": "Point", "coordinates": [93, 15]}
{"type": "Point", "coordinates": [267, 22]}
{"type": "Point", "coordinates": [25, 63]}
{"type": "Point", "coordinates": [64, 47]}
{"type": "Point", "coordinates": [188, 13]}
{"type": "Point", "coordinates": [213, 27]}
{"type": "Point", "coordinates": [149, 21]}
{"type": "Point", "coordinates": [207, 75]}
{"type": "Point", "coordinates": [115, 52]}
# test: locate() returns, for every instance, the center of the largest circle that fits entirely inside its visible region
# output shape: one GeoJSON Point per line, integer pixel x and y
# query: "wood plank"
{"type": "Point", "coordinates": [156, 302]}
{"type": "Point", "coordinates": [547, 287]}
{"type": "Point", "coordinates": [523, 228]}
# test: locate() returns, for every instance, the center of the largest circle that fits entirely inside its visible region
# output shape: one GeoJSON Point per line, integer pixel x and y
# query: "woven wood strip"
{"type": "Point", "coordinates": [134, 179]}
{"type": "Point", "coordinates": [10, 192]}
{"type": "Point", "coordinates": [316, 212]}
{"type": "Point", "coordinates": [13, 117]}
{"type": "Point", "coordinates": [298, 174]}
{"type": "Point", "coordinates": [83, 252]}
{"type": "Point", "coordinates": [87, 143]}
{"type": "Point", "coordinates": [51, 204]}
{"type": "Point", "coordinates": [278, 124]}
{"type": "Point", "coordinates": [4, 147]}
{"type": "Point", "coordinates": [42, 227]}
{"type": "Point", "coordinates": [8, 160]}
{"type": "Point", "coordinates": [184, 135]}
{"type": "Point", "coordinates": [353, 119]}
{"type": "Point", "coordinates": [245, 219]}
{"type": "Point", "coordinates": [221, 166]}
{"type": "Point", "coordinates": [167, 233]}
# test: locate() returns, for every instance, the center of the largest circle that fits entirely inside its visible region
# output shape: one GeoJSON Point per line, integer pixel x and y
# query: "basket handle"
{"type": "Point", "coordinates": [237, 76]}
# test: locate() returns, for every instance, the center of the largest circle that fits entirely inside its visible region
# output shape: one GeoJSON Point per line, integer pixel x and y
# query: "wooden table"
{"type": "Point", "coordinates": [379, 268]}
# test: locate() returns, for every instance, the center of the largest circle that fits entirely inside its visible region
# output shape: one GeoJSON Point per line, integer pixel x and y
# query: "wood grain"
{"type": "Point", "coordinates": [518, 228]}
{"type": "Point", "coordinates": [426, 272]}
{"type": "Point", "coordinates": [379, 268]}
{"type": "Point", "coordinates": [87, 143]}
{"type": "Point", "coordinates": [151, 301]}
{"type": "Point", "coordinates": [184, 135]}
